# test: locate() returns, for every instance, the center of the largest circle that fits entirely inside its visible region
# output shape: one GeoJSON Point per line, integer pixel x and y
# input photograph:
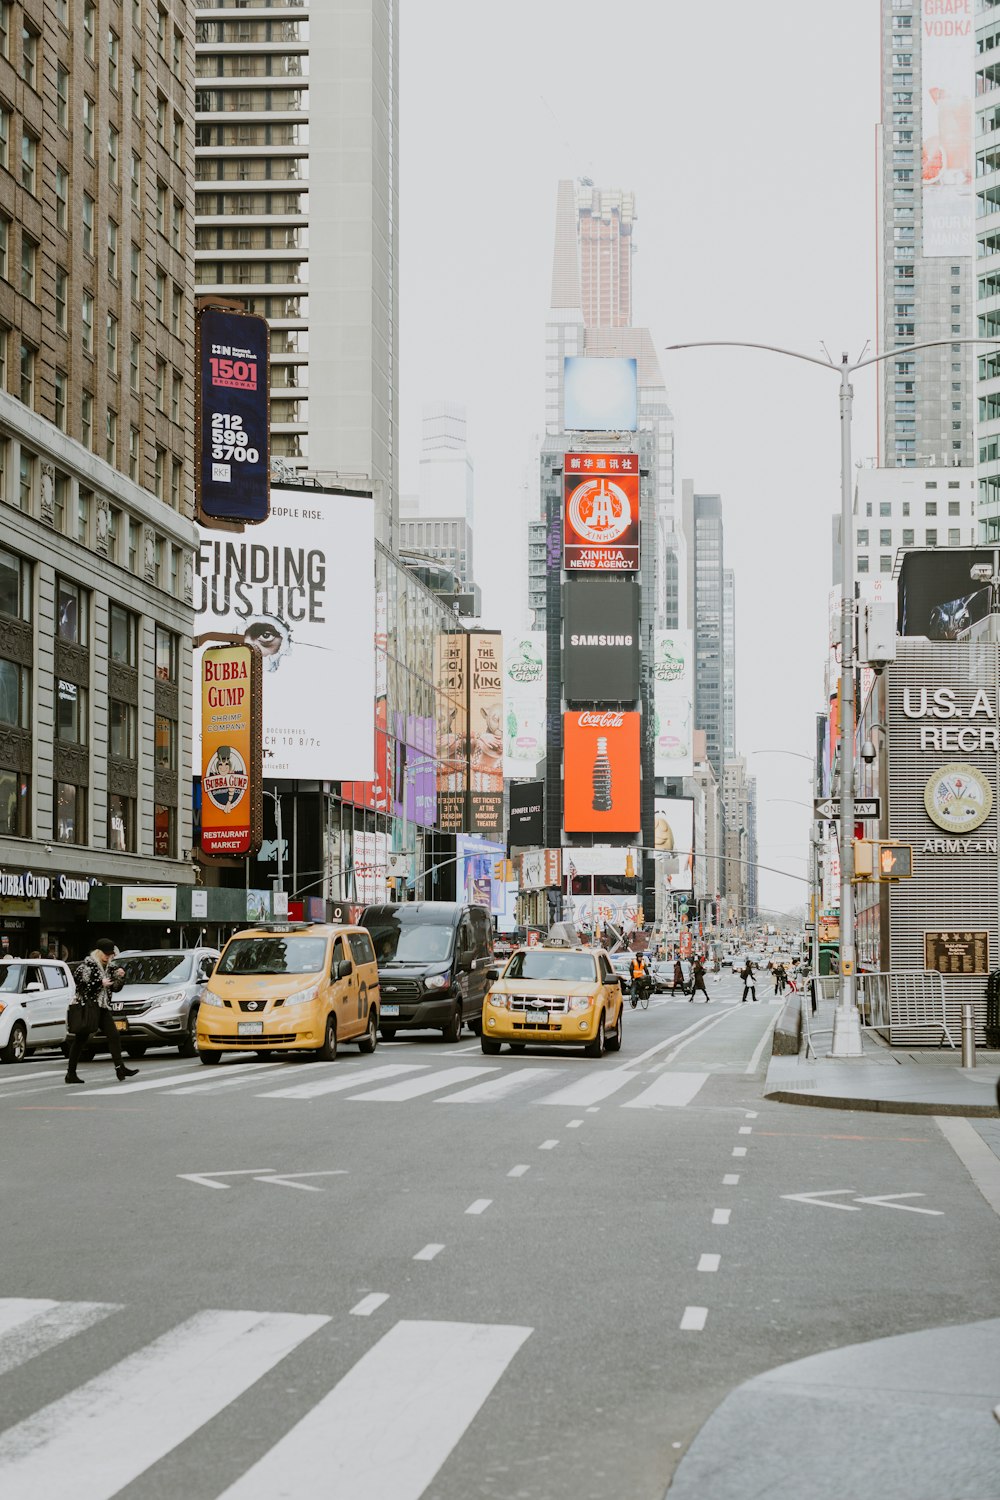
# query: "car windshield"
{"type": "Point", "coordinates": [273, 955]}
{"type": "Point", "coordinates": [536, 963]}
{"type": "Point", "coordinates": [158, 968]}
{"type": "Point", "coordinates": [411, 942]}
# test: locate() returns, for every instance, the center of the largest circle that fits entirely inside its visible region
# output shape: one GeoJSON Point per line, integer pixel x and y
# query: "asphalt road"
{"type": "Point", "coordinates": [430, 1272]}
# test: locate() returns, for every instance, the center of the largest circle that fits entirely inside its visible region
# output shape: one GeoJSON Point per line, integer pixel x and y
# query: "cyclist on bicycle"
{"type": "Point", "coordinates": [640, 979]}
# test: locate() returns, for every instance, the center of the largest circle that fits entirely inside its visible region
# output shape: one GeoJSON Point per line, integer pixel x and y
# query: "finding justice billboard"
{"type": "Point", "coordinates": [601, 640]}
{"type": "Point", "coordinates": [601, 772]}
{"type": "Point", "coordinates": [947, 64]}
{"type": "Point", "coordinates": [232, 416]}
{"type": "Point", "coordinates": [309, 568]}
{"type": "Point", "coordinates": [231, 791]}
{"type": "Point", "coordinates": [601, 512]}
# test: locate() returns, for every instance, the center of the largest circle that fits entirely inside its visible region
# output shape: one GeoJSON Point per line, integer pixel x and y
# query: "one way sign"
{"type": "Point", "coordinates": [864, 807]}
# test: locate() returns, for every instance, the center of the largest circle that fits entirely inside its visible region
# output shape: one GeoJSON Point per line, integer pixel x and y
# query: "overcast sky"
{"type": "Point", "coordinates": [746, 129]}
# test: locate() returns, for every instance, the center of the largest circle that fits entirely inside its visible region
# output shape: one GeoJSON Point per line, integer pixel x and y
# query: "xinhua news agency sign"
{"type": "Point", "coordinates": [601, 513]}
{"type": "Point", "coordinates": [231, 786]}
{"type": "Point", "coordinates": [232, 421]}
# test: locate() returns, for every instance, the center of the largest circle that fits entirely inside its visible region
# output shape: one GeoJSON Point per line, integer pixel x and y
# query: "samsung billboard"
{"type": "Point", "coordinates": [601, 640]}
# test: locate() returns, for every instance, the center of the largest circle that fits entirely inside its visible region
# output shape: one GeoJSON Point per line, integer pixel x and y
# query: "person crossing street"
{"type": "Point", "coordinates": [749, 979]}
{"type": "Point", "coordinates": [93, 985]}
{"type": "Point", "coordinates": [698, 973]}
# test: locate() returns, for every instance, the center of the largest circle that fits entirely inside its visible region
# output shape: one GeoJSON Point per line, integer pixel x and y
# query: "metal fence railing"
{"type": "Point", "coordinates": [902, 1005]}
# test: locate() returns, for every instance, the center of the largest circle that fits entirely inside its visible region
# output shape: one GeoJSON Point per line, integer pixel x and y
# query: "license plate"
{"type": "Point", "coordinates": [121, 1025]}
{"type": "Point", "coordinates": [537, 1017]}
{"type": "Point", "coordinates": [249, 1028]}
{"type": "Point", "coordinates": [390, 1010]}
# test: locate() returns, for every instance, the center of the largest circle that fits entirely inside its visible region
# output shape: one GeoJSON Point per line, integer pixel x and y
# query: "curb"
{"type": "Point", "coordinates": [786, 1039]}
{"type": "Point", "coordinates": [884, 1106]}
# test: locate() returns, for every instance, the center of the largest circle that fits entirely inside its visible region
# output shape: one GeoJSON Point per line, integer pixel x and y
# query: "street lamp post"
{"type": "Point", "coordinates": [847, 1027]}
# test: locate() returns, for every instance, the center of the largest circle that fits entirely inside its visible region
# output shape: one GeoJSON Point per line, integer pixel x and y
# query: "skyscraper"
{"type": "Point", "coordinates": [604, 228]}
{"type": "Point", "coordinates": [702, 525]}
{"type": "Point", "coordinates": [438, 523]}
{"type": "Point", "coordinates": [925, 235]}
{"type": "Point", "coordinates": [728, 664]}
{"type": "Point", "coordinates": [297, 214]}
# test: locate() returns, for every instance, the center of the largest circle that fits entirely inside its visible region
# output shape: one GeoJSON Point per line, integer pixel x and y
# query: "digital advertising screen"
{"type": "Point", "coordinates": [601, 777]}
{"type": "Point", "coordinates": [600, 395]}
{"type": "Point", "coordinates": [601, 513]}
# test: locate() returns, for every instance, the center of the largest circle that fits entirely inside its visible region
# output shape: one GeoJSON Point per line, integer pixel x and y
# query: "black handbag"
{"type": "Point", "coordinates": [82, 1017]}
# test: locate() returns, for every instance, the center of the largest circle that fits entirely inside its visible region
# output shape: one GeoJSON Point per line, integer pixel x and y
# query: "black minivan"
{"type": "Point", "coordinates": [433, 962]}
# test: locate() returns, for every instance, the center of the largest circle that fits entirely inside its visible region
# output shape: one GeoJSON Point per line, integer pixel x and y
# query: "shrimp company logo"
{"type": "Point", "coordinates": [226, 781]}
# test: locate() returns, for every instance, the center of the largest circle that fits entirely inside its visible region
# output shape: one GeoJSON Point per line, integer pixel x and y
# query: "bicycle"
{"type": "Point", "coordinates": [640, 992]}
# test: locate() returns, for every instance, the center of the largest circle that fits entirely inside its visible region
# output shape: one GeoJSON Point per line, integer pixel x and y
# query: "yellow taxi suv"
{"type": "Point", "coordinates": [291, 987]}
{"type": "Point", "coordinates": [555, 995]}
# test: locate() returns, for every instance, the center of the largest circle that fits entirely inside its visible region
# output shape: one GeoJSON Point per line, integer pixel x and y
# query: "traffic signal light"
{"type": "Point", "coordinates": [629, 866]}
{"type": "Point", "coordinates": [895, 861]}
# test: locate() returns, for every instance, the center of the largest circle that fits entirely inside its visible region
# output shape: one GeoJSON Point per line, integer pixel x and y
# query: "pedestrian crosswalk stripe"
{"type": "Point", "coordinates": [161, 1082]}
{"type": "Point", "coordinates": [590, 1090]}
{"type": "Point", "coordinates": [497, 1088]}
{"type": "Point", "coordinates": [91, 1443]}
{"type": "Point", "coordinates": [330, 1085]}
{"type": "Point", "coordinates": [30, 1325]}
{"type": "Point", "coordinates": [204, 1086]}
{"type": "Point", "coordinates": [669, 1090]}
{"type": "Point", "coordinates": [431, 1377]}
{"type": "Point", "coordinates": [411, 1088]}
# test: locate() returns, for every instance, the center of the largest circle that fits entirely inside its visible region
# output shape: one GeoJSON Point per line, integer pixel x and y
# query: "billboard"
{"type": "Point", "coordinates": [526, 815]}
{"type": "Point", "coordinates": [601, 772]}
{"type": "Point", "coordinates": [451, 681]}
{"type": "Point", "coordinates": [600, 395]}
{"type": "Point", "coordinates": [947, 65]}
{"type": "Point", "coordinates": [232, 416]}
{"type": "Point", "coordinates": [673, 703]}
{"type": "Point", "coordinates": [601, 640]}
{"type": "Point", "coordinates": [601, 512]}
{"type": "Point", "coordinates": [231, 790]}
{"type": "Point", "coordinates": [674, 842]}
{"type": "Point", "coordinates": [307, 570]}
{"type": "Point", "coordinates": [476, 880]}
{"type": "Point", "coordinates": [374, 794]}
{"type": "Point", "coordinates": [937, 596]}
{"type": "Point", "coordinates": [371, 867]}
{"type": "Point", "coordinates": [486, 732]}
{"type": "Point", "coordinates": [414, 770]}
{"type": "Point", "coordinates": [600, 908]}
{"type": "Point", "coordinates": [538, 868]}
{"type": "Point", "coordinates": [524, 702]}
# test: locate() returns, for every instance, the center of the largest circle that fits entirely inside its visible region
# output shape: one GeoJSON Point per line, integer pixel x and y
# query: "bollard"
{"type": "Point", "coordinates": [968, 1034]}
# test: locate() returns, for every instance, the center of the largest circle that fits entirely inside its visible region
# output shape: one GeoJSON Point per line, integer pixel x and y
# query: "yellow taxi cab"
{"type": "Point", "coordinates": [291, 987]}
{"type": "Point", "coordinates": [560, 995]}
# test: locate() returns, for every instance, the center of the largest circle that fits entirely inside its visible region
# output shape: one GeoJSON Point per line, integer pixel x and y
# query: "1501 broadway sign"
{"type": "Point", "coordinates": [231, 794]}
{"type": "Point", "coordinates": [301, 587]}
{"type": "Point", "coordinates": [232, 418]}
{"type": "Point", "coordinates": [601, 516]}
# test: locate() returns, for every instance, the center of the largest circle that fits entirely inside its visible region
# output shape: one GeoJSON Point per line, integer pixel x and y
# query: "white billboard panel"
{"type": "Point", "coordinates": [674, 841]}
{"type": "Point", "coordinates": [524, 702]}
{"type": "Point", "coordinates": [673, 702]}
{"type": "Point", "coordinates": [947, 64]}
{"type": "Point", "coordinates": [302, 585]}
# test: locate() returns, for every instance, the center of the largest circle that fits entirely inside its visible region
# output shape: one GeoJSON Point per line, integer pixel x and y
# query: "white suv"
{"type": "Point", "coordinates": [34, 994]}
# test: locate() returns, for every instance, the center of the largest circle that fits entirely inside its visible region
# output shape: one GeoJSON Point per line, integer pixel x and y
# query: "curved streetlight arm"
{"type": "Point", "coordinates": [845, 367]}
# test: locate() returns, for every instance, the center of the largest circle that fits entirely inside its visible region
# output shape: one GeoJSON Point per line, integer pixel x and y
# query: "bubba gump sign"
{"type": "Point", "coordinates": [231, 779]}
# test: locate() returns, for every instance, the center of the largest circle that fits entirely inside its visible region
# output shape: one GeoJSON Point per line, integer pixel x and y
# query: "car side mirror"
{"type": "Point", "coordinates": [33, 989]}
{"type": "Point", "coordinates": [492, 975]}
{"type": "Point", "coordinates": [205, 972]}
{"type": "Point", "coordinates": [343, 968]}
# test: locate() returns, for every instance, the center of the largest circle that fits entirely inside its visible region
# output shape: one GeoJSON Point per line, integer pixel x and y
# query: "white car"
{"type": "Point", "coordinates": [34, 994]}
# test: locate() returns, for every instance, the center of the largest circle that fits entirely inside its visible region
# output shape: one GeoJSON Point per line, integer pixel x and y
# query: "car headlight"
{"type": "Point", "coordinates": [207, 998]}
{"type": "Point", "coordinates": [581, 1002]}
{"type": "Point", "coordinates": [498, 1002]}
{"type": "Point", "coordinates": [437, 981]}
{"type": "Point", "coordinates": [165, 1002]}
{"type": "Point", "coordinates": [303, 997]}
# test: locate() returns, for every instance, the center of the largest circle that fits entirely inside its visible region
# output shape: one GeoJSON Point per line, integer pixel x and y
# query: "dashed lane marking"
{"type": "Point", "coordinates": [428, 1252]}
{"type": "Point", "coordinates": [709, 1262]}
{"type": "Point", "coordinates": [369, 1304]}
{"type": "Point", "coordinates": [694, 1319]}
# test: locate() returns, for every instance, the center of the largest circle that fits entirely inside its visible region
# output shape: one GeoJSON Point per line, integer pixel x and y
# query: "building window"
{"type": "Point", "coordinates": [135, 272]}
{"type": "Point", "coordinates": [112, 344]}
{"type": "Point", "coordinates": [176, 306]}
{"type": "Point", "coordinates": [87, 322]}
{"type": "Point", "coordinates": [89, 29]}
{"type": "Point", "coordinates": [135, 183]}
{"type": "Point", "coordinates": [930, 507]}
{"type": "Point", "coordinates": [113, 53]}
{"type": "Point", "coordinates": [29, 265]}
{"type": "Point", "coordinates": [15, 804]}
{"type": "Point", "coordinates": [60, 494]}
{"type": "Point", "coordinates": [69, 804]}
{"type": "Point", "coordinates": [136, 91]}
{"type": "Point", "coordinates": [176, 396]}
{"type": "Point", "coordinates": [863, 538]}
{"type": "Point", "coordinates": [165, 752]}
{"type": "Point", "coordinates": [88, 224]}
{"type": "Point", "coordinates": [158, 462]}
{"type": "Point", "coordinates": [26, 480]}
{"type": "Point", "coordinates": [167, 651]}
{"type": "Point", "coordinates": [112, 249]}
{"type": "Point", "coordinates": [111, 438]}
{"type": "Point", "coordinates": [114, 142]}
{"type": "Point", "coordinates": [5, 228]}
{"type": "Point", "coordinates": [164, 831]}
{"type": "Point", "coordinates": [161, 381]}
{"type": "Point", "coordinates": [158, 561]}
{"type": "Point", "coordinates": [62, 96]}
{"type": "Point", "coordinates": [15, 586]}
{"type": "Point", "coordinates": [114, 532]}
{"type": "Point", "coordinates": [862, 565]}
{"type": "Point", "coordinates": [954, 507]}
{"type": "Point", "coordinates": [177, 140]}
{"type": "Point", "coordinates": [907, 538]}
{"type": "Point", "coordinates": [29, 57]}
{"type": "Point", "coordinates": [161, 120]}
{"type": "Point", "coordinates": [5, 14]}
{"type": "Point", "coordinates": [123, 644]}
{"type": "Point", "coordinates": [906, 507]}
{"type": "Point", "coordinates": [175, 483]}
{"type": "Point", "coordinates": [122, 729]}
{"type": "Point", "coordinates": [29, 161]}
{"type": "Point", "coordinates": [87, 420]}
{"type": "Point", "coordinates": [885, 508]}
{"type": "Point", "coordinates": [175, 570]}
{"type": "Point", "coordinates": [133, 453]}
{"type": "Point", "coordinates": [88, 127]}
{"type": "Point", "coordinates": [121, 824]}
{"type": "Point", "coordinates": [71, 713]}
{"type": "Point", "coordinates": [84, 507]}
{"type": "Point", "coordinates": [161, 295]}
{"type": "Point", "coordinates": [885, 563]}
{"type": "Point", "coordinates": [62, 291]}
{"type": "Point", "coordinates": [62, 197]}
{"type": "Point", "coordinates": [930, 538]}
{"type": "Point", "coordinates": [61, 381]}
{"type": "Point", "coordinates": [134, 537]}
{"type": "Point", "coordinates": [954, 536]}
{"type": "Point", "coordinates": [15, 694]}
{"type": "Point", "coordinates": [177, 225]}
{"type": "Point", "coordinates": [885, 538]}
{"type": "Point", "coordinates": [27, 374]}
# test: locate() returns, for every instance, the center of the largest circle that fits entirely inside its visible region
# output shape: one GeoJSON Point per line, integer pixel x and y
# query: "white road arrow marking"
{"type": "Point", "coordinates": [288, 1179]}
{"type": "Point", "coordinates": [205, 1179]}
{"type": "Point", "coordinates": [815, 1198]}
{"type": "Point", "coordinates": [885, 1201]}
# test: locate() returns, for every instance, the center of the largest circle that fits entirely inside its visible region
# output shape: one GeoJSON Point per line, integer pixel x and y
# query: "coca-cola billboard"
{"type": "Point", "coordinates": [601, 772]}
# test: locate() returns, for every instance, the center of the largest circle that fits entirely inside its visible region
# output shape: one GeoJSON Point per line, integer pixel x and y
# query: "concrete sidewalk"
{"type": "Point", "coordinates": [904, 1418]}
{"type": "Point", "coordinates": [892, 1080]}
